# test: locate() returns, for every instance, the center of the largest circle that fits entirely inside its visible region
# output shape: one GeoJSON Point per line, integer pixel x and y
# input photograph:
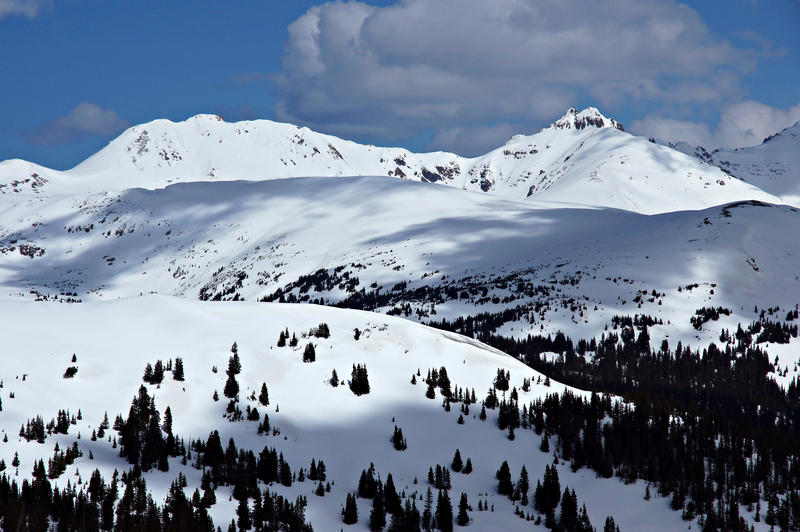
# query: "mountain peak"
{"type": "Point", "coordinates": [589, 117]}
{"type": "Point", "coordinates": [204, 118]}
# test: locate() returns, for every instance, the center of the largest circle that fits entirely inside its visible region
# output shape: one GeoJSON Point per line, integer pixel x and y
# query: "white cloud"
{"type": "Point", "coordinates": [747, 123]}
{"type": "Point", "coordinates": [85, 119]}
{"type": "Point", "coordinates": [27, 8]}
{"type": "Point", "coordinates": [741, 124]}
{"type": "Point", "coordinates": [452, 64]}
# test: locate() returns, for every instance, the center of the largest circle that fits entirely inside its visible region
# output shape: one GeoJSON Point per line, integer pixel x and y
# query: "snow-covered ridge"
{"type": "Point", "coordinates": [584, 157]}
{"type": "Point", "coordinates": [113, 341]}
{"type": "Point", "coordinates": [773, 165]}
{"type": "Point", "coordinates": [424, 247]}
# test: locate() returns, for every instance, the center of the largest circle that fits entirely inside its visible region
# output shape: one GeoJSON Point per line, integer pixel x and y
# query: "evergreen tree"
{"type": "Point", "coordinates": [243, 514]}
{"type": "Point", "coordinates": [610, 525]}
{"type": "Point", "coordinates": [523, 485]}
{"type": "Point", "coordinates": [263, 396]}
{"type": "Point", "coordinates": [231, 389]}
{"type": "Point", "coordinates": [467, 467]}
{"type": "Point", "coordinates": [359, 380]}
{"type": "Point", "coordinates": [503, 475]}
{"type": "Point", "coordinates": [234, 366]}
{"type": "Point", "coordinates": [444, 512]}
{"type": "Point", "coordinates": [367, 483]}
{"type": "Point", "coordinates": [390, 496]}
{"type": "Point", "coordinates": [430, 393]}
{"type": "Point", "coordinates": [309, 353]}
{"type": "Point", "coordinates": [334, 380]}
{"type": "Point", "coordinates": [398, 440]}
{"type": "Point", "coordinates": [350, 511]}
{"type": "Point", "coordinates": [148, 373]}
{"type": "Point", "coordinates": [177, 373]}
{"type": "Point", "coordinates": [463, 517]}
{"type": "Point", "coordinates": [427, 513]}
{"type": "Point", "coordinates": [158, 373]}
{"type": "Point", "coordinates": [457, 465]}
{"type": "Point", "coordinates": [548, 492]}
{"type": "Point", "coordinates": [569, 510]}
{"type": "Point", "coordinates": [377, 516]}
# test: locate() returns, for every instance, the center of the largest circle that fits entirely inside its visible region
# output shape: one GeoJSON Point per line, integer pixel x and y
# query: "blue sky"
{"type": "Point", "coordinates": [74, 74]}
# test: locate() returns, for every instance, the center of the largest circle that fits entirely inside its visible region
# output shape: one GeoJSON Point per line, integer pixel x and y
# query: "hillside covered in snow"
{"type": "Point", "coordinates": [316, 421]}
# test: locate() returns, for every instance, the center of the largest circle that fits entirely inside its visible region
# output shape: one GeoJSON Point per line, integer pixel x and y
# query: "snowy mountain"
{"type": "Point", "coordinates": [194, 241]}
{"type": "Point", "coordinates": [773, 166]}
{"type": "Point", "coordinates": [582, 158]}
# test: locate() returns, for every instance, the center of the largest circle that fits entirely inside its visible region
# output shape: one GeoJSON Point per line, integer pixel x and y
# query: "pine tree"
{"type": "Point", "coordinates": [359, 380]}
{"type": "Point", "coordinates": [350, 511]}
{"type": "Point", "coordinates": [243, 513]}
{"type": "Point", "coordinates": [282, 339]}
{"type": "Point", "coordinates": [234, 366]}
{"type": "Point", "coordinates": [427, 513]}
{"type": "Point", "coordinates": [148, 373]}
{"type": "Point", "coordinates": [390, 496]}
{"type": "Point", "coordinates": [430, 393]}
{"type": "Point", "coordinates": [610, 525]}
{"type": "Point", "coordinates": [177, 373]}
{"type": "Point", "coordinates": [231, 389]}
{"type": "Point", "coordinates": [467, 467]}
{"type": "Point", "coordinates": [548, 492]}
{"type": "Point", "coordinates": [463, 517]}
{"type": "Point", "coordinates": [309, 354]}
{"type": "Point", "coordinates": [377, 516]}
{"type": "Point", "coordinates": [457, 465]}
{"type": "Point", "coordinates": [444, 382]}
{"type": "Point", "coordinates": [523, 485]}
{"type": "Point", "coordinates": [503, 475]}
{"type": "Point", "coordinates": [158, 373]}
{"type": "Point", "coordinates": [334, 380]}
{"type": "Point", "coordinates": [444, 512]}
{"type": "Point", "coordinates": [263, 397]}
{"type": "Point", "coordinates": [569, 510]}
{"type": "Point", "coordinates": [398, 440]}
{"type": "Point", "coordinates": [545, 446]}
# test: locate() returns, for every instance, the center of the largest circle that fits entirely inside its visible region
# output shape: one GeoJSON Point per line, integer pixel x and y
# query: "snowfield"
{"type": "Point", "coordinates": [256, 240]}
{"type": "Point", "coordinates": [113, 341]}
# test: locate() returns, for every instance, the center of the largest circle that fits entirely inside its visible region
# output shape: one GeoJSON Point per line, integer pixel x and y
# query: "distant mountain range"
{"type": "Point", "coordinates": [582, 158]}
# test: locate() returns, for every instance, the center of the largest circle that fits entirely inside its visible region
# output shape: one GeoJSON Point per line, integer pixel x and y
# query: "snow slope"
{"type": "Point", "coordinates": [113, 341]}
{"type": "Point", "coordinates": [432, 252]}
{"type": "Point", "coordinates": [773, 166]}
{"type": "Point", "coordinates": [582, 158]}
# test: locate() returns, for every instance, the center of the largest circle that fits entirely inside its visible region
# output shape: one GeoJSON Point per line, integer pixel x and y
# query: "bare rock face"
{"type": "Point", "coordinates": [589, 117]}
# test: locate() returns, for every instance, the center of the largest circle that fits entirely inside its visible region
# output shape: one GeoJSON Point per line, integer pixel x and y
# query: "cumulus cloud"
{"type": "Point", "coordinates": [741, 124]}
{"type": "Point", "coordinates": [84, 120]}
{"type": "Point", "coordinates": [26, 8]}
{"type": "Point", "coordinates": [446, 65]}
